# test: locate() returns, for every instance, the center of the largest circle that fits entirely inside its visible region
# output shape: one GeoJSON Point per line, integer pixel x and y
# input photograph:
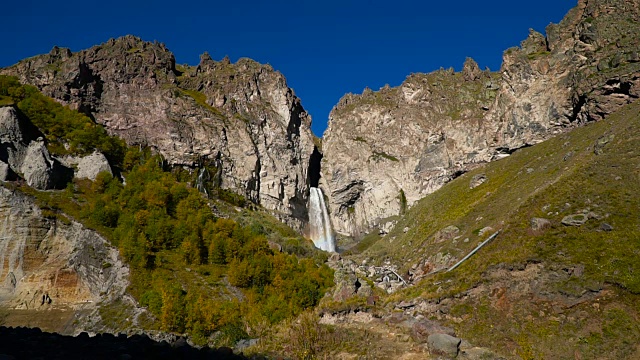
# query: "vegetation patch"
{"type": "Point", "coordinates": [66, 131]}
{"type": "Point", "coordinates": [217, 279]}
{"type": "Point", "coordinates": [379, 154]}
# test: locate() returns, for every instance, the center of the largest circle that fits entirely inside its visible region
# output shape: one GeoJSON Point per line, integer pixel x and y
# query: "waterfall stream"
{"type": "Point", "coordinates": [320, 226]}
{"type": "Point", "coordinates": [203, 177]}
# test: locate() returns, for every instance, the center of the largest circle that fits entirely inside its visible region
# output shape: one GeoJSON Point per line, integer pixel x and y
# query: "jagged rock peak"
{"type": "Point", "coordinates": [232, 116]}
{"type": "Point", "coordinates": [470, 70]}
{"type": "Point", "coordinates": [535, 43]}
{"type": "Point", "coordinates": [412, 139]}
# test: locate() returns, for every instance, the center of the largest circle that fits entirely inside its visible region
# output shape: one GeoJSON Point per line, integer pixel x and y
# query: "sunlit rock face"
{"type": "Point", "coordinates": [47, 263]}
{"type": "Point", "coordinates": [240, 118]}
{"type": "Point", "coordinates": [386, 149]}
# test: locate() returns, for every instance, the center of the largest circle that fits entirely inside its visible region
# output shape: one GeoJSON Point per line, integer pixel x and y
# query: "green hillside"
{"type": "Point", "coordinates": [219, 276]}
{"type": "Point", "coordinates": [547, 291]}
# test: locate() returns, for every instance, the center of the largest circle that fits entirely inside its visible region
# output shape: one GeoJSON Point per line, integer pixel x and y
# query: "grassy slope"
{"type": "Point", "coordinates": [595, 312]}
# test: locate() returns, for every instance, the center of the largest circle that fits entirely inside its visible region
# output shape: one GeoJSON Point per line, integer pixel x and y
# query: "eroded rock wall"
{"type": "Point", "coordinates": [43, 258]}
{"type": "Point", "coordinates": [384, 150]}
{"type": "Point", "coordinates": [241, 118]}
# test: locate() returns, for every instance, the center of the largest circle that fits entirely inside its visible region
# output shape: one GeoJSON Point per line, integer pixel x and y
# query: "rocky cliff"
{"type": "Point", "coordinates": [384, 150]}
{"type": "Point", "coordinates": [49, 262]}
{"type": "Point", "coordinates": [241, 118]}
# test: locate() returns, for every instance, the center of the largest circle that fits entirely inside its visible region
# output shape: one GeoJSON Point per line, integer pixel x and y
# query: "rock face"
{"type": "Point", "coordinates": [23, 153]}
{"type": "Point", "coordinates": [241, 118]}
{"type": "Point", "coordinates": [88, 167]}
{"type": "Point", "coordinates": [384, 150]}
{"type": "Point", "coordinates": [46, 263]}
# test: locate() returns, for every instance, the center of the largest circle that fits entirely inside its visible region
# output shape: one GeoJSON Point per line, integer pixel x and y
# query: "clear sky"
{"type": "Point", "coordinates": [325, 48]}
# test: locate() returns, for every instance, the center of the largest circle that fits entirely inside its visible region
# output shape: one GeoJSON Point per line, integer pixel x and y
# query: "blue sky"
{"type": "Point", "coordinates": [324, 48]}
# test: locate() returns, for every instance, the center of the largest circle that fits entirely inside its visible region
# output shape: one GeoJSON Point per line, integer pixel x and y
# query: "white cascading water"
{"type": "Point", "coordinates": [320, 227]}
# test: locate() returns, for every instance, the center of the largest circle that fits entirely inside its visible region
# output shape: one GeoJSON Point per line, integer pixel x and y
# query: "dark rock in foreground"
{"type": "Point", "coordinates": [26, 343]}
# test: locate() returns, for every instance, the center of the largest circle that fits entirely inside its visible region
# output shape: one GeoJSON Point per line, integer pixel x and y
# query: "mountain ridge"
{"type": "Point", "coordinates": [231, 116]}
{"type": "Point", "coordinates": [416, 137]}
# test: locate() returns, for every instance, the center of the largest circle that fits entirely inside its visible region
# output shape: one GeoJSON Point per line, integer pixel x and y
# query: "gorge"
{"type": "Point", "coordinates": [143, 196]}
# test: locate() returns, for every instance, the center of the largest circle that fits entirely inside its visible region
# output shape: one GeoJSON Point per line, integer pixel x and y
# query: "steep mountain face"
{"type": "Point", "coordinates": [385, 150]}
{"type": "Point", "coordinates": [558, 280]}
{"type": "Point", "coordinates": [240, 118]}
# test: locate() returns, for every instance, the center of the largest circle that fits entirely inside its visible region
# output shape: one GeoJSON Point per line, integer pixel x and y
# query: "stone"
{"type": "Point", "coordinates": [275, 246]}
{"type": "Point", "coordinates": [477, 180]}
{"type": "Point", "coordinates": [447, 233]}
{"type": "Point", "coordinates": [403, 305]}
{"type": "Point", "coordinates": [37, 166]}
{"type": "Point", "coordinates": [470, 70]}
{"type": "Point", "coordinates": [5, 171]}
{"type": "Point", "coordinates": [606, 227]}
{"type": "Point", "coordinates": [485, 230]}
{"type": "Point", "coordinates": [90, 166]}
{"type": "Point", "coordinates": [538, 224]}
{"type": "Point", "coordinates": [575, 219]}
{"type": "Point", "coordinates": [478, 353]}
{"type": "Point", "coordinates": [423, 328]}
{"type": "Point", "coordinates": [443, 344]}
{"type": "Point", "coordinates": [51, 249]}
{"type": "Point", "coordinates": [180, 342]}
{"type": "Point", "coordinates": [602, 141]}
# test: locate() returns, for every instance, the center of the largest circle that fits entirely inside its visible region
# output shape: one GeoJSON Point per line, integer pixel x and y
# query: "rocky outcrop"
{"type": "Point", "coordinates": [240, 118]}
{"type": "Point", "coordinates": [384, 150]}
{"type": "Point", "coordinates": [88, 167]}
{"type": "Point", "coordinates": [37, 166]}
{"type": "Point", "coordinates": [50, 262]}
{"type": "Point", "coordinates": [24, 153]}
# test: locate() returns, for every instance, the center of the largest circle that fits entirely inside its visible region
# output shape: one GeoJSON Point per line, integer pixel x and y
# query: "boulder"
{"type": "Point", "coordinates": [602, 141]}
{"type": "Point", "coordinates": [540, 224]}
{"type": "Point", "coordinates": [606, 227]}
{"type": "Point", "coordinates": [422, 329]}
{"type": "Point", "coordinates": [447, 233]}
{"type": "Point", "coordinates": [443, 344]}
{"type": "Point", "coordinates": [575, 219]}
{"type": "Point", "coordinates": [365, 290]}
{"type": "Point", "coordinates": [485, 230]}
{"type": "Point", "coordinates": [335, 257]}
{"type": "Point", "coordinates": [477, 180]}
{"type": "Point", "coordinates": [9, 127]}
{"type": "Point", "coordinates": [90, 166]}
{"type": "Point", "coordinates": [37, 166]}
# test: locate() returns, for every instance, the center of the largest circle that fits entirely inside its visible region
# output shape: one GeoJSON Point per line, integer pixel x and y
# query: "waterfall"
{"type": "Point", "coordinates": [320, 226]}
{"type": "Point", "coordinates": [203, 177]}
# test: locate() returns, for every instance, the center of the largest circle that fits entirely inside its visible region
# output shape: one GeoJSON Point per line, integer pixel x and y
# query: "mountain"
{"type": "Point", "coordinates": [385, 150]}
{"type": "Point", "coordinates": [495, 212]}
{"type": "Point", "coordinates": [558, 281]}
{"type": "Point", "coordinates": [240, 118]}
